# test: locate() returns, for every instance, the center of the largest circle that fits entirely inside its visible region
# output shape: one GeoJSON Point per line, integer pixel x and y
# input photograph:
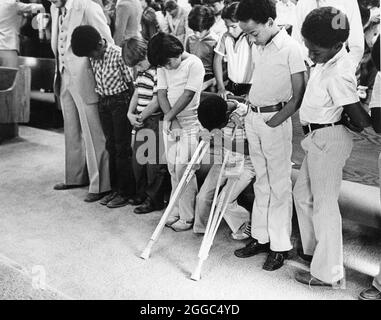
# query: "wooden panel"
{"type": "Point", "coordinates": [15, 97]}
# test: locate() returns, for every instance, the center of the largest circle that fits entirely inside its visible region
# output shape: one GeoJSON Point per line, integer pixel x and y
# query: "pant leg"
{"type": "Point", "coordinates": [122, 138]}
{"type": "Point", "coordinates": [97, 158]}
{"type": "Point", "coordinates": [139, 168]}
{"type": "Point", "coordinates": [186, 146]}
{"type": "Point", "coordinates": [204, 199]}
{"type": "Point", "coordinates": [276, 146]}
{"type": "Point", "coordinates": [236, 215]}
{"type": "Point", "coordinates": [328, 150]}
{"type": "Point", "coordinates": [259, 229]}
{"type": "Point", "coordinates": [75, 154]}
{"type": "Point", "coordinates": [106, 120]}
{"type": "Point", "coordinates": [156, 171]}
{"type": "Point", "coordinates": [304, 206]}
{"type": "Point", "coordinates": [377, 281]}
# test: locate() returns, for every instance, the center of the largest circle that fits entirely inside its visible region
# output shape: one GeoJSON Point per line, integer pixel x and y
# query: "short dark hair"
{"type": "Point", "coordinates": [325, 27]}
{"type": "Point", "coordinates": [229, 11]}
{"type": "Point", "coordinates": [170, 5]}
{"type": "Point", "coordinates": [376, 53]}
{"type": "Point", "coordinates": [257, 10]}
{"type": "Point", "coordinates": [195, 2]}
{"type": "Point", "coordinates": [212, 112]}
{"type": "Point", "coordinates": [210, 2]}
{"type": "Point", "coordinates": [162, 47]}
{"type": "Point", "coordinates": [201, 18]}
{"type": "Point", "coordinates": [84, 40]}
{"type": "Point", "coordinates": [134, 50]}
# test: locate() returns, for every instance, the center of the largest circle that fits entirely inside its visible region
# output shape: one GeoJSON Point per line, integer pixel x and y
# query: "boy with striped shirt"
{"type": "Point", "coordinates": [144, 113]}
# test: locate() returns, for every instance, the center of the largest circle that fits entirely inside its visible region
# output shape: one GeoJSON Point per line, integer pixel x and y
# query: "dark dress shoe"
{"type": "Point", "coordinates": [371, 293]}
{"type": "Point", "coordinates": [91, 197]}
{"type": "Point", "coordinates": [118, 201]}
{"type": "Point", "coordinates": [147, 207]}
{"type": "Point", "coordinates": [106, 199]}
{"type": "Point", "coordinates": [306, 278]}
{"type": "Point", "coordinates": [275, 260]}
{"type": "Point", "coordinates": [251, 249]}
{"type": "Point", "coordinates": [136, 201]}
{"type": "Point", "coordinates": [64, 186]}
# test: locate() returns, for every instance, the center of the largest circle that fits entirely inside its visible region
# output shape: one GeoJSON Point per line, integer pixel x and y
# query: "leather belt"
{"type": "Point", "coordinates": [275, 108]}
{"type": "Point", "coordinates": [315, 126]}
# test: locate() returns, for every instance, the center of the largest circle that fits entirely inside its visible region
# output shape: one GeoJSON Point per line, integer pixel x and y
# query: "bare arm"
{"type": "Point", "coordinates": [375, 115]}
{"type": "Point", "coordinates": [298, 88]}
{"type": "Point", "coordinates": [357, 115]}
{"type": "Point", "coordinates": [218, 72]}
{"type": "Point", "coordinates": [150, 109]}
{"type": "Point", "coordinates": [180, 105]}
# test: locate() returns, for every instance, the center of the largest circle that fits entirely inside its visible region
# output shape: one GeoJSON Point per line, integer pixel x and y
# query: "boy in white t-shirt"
{"type": "Point", "coordinates": [330, 97]}
{"type": "Point", "coordinates": [179, 82]}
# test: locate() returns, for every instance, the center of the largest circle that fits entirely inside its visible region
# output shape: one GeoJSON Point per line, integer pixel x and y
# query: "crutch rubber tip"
{"type": "Point", "coordinates": [146, 253]}
{"type": "Point", "coordinates": [196, 276]}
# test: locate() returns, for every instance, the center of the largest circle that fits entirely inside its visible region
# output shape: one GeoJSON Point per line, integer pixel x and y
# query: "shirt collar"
{"type": "Point", "coordinates": [68, 5]}
{"type": "Point", "coordinates": [279, 39]}
{"type": "Point", "coordinates": [343, 52]}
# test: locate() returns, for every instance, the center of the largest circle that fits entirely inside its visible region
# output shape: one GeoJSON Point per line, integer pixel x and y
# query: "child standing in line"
{"type": "Point", "coordinates": [236, 48]}
{"type": "Point", "coordinates": [202, 42]}
{"type": "Point", "coordinates": [114, 85]}
{"type": "Point", "coordinates": [276, 93]}
{"type": "Point", "coordinates": [179, 82]}
{"type": "Point", "coordinates": [330, 92]}
{"type": "Point", "coordinates": [213, 113]}
{"type": "Point", "coordinates": [144, 114]}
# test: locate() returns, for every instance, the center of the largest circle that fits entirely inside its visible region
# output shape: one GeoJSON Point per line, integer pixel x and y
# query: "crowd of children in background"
{"type": "Point", "coordinates": [237, 49]}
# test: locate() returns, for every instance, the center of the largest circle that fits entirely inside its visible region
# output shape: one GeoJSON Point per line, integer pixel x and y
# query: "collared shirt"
{"type": "Point", "coordinates": [10, 21]}
{"type": "Point", "coordinates": [286, 13]}
{"type": "Point", "coordinates": [189, 75]}
{"type": "Point", "coordinates": [112, 75]}
{"type": "Point", "coordinates": [239, 56]}
{"type": "Point", "coordinates": [350, 8]}
{"type": "Point", "coordinates": [146, 86]}
{"type": "Point", "coordinates": [203, 48]}
{"type": "Point", "coordinates": [375, 101]}
{"type": "Point", "coordinates": [273, 66]}
{"type": "Point", "coordinates": [331, 86]}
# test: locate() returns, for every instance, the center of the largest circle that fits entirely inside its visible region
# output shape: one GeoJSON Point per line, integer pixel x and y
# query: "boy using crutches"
{"type": "Point", "coordinates": [213, 113]}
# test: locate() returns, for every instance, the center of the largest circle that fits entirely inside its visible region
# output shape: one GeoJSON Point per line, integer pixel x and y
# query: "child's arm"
{"type": "Point", "coordinates": [357, 115]}
{"type": "Point", "coordinates": [180, 104]}
{"type": "Point", "coordinates": [375, 104]}
{"type": "Point", "coordinates": [298, 88]}
{"type": "Point", "coordinates": [218, 73]}
{"type": "Point", "coordinates": [375, 115]}
{"type": "Point", "coordinates": [166, 107]}
{"type": "Point", "coordinates": [132, 117]}
{"type": "Point", "coordinates": [150, 109]}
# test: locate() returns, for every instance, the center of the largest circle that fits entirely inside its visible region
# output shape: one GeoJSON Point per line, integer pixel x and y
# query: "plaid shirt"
{"type": "Point", "coordinates": [111, 73]}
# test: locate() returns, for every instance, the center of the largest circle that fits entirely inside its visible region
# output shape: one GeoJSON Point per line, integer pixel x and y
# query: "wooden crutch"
{"type": "Point", "coordinates": [198, 155]}
{"type": "Point", "coordinates": [216, 212]}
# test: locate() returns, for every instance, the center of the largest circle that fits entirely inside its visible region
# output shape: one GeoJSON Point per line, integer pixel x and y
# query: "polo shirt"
{"type": "Point", "coordinates": [273, 66]}
{"type": "Point", "coordinates": [189, 75]}
{"type": "Point", "coordinates": [239, 56]}
{"type": "Point", "coordinates": [331, 86]}
{"type": "Point", "coordinates": [350, 8]}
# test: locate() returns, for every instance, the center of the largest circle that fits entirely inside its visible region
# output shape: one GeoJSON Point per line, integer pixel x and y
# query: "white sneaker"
{"type": "Point", "coordinates": [181, 225]}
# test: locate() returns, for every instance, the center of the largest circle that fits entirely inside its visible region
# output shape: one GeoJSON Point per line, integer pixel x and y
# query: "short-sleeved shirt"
{"type": "Point", "coordinates": [274, 64]}
{"type": "Point", "coordinates": [188, 76]}
{"type": "Point", "coordinates": [375, 101]}
{"type": "Point", "coordinates": [219, 27]}
{"type": "Point", "coordinates": [204, 49]}
{"type": "Point", "coordinates": [331, 86]}
{"type": "Point", "coordinates": [146, 86]}
{"type": "Point", "coordinates": [239, 56]}
{"type": "Point", "coordinates": [112, 75]}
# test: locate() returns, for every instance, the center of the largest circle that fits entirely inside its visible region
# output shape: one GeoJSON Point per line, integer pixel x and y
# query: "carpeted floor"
{"type": "Point", "coordinates": [86, 251]}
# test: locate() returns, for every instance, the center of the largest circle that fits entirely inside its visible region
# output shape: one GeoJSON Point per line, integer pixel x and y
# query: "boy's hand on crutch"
{"type": "Point", "coordinates": [134, 120]}
{"type": "Point", "coordinates": [235, 118]}
{"type": "Point", "coordinates": [175, 129]}
{"type": "Point", "coordinates": [223, 93]}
